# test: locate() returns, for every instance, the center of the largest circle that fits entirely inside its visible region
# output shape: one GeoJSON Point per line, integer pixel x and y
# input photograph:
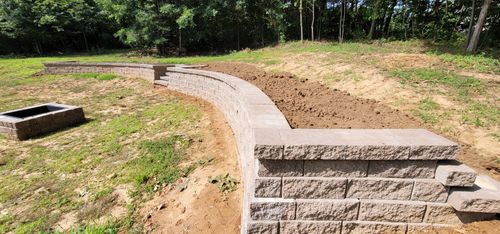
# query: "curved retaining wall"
{"type": "Point", "coordinates": [338, 180]}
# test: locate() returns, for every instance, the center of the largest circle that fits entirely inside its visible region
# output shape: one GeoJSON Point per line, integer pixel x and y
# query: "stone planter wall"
{"type": "Point", "coordinates": [338, 180]}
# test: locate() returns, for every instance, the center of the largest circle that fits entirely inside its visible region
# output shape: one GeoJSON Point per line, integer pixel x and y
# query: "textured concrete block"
{"type": "Point", "coordinates": [455, 175]}
{"type": "Point", "coordinates": [263, 227]}
{"type": "Point", "coordinates": [373, 227]}
{"type": "Point", "coordinates": [441, 213]}
{"type": "Point", "coordinates": [402, 169]}
{"type": "Point", "coordinates": [275, 168]}
{"type": "Point", "coordinates": [430, 191]}
{"type": "Point", "coordinates": [392, 211]}
{"type": "Point", "coordinates": [310, 227]}
{"type": "Point", "coordinates": [370, 152]}
{"type": "Point", "coordinates": [268, 144]}
{"type": "Point", "coordinates": [309, 152]}
{"type": "Point", "coordinates": [268, 187]}
{"type": "Point", "coordinates": [425, 227]}
{"type": "Point", "coordinates": [345, 209]}
{"type": "Point", "coordinates": [374, 188]}
{"type": "Point", "coordinates": [483, 197]}
{"type": "Point", "coordinates": [335, 168]}
{"type": "Point", "coordinates": [309, 188]}
{"type": "Point", "coordinates": [434, 152]}
{"type": "Point", "coordinates": [272, 209]}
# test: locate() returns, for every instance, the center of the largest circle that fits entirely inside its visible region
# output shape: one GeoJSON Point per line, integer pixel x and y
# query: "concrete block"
{"type": "Point", "coordinates": [310, 227]}
{"type": "Point", "coordinates": [434, 152]}
{"type": "Point", "coordinates": [339, 210]}
{"type": "Point", "coordinates": [369, 152]}
{"type": "Point", "coordinates": [376, 188]}
{"type": "Point", "coordinates": [392, 211]}
{"type": "Point", "coordinates": [335, 168]}
{"type": "Point", "coordinates": [363, 227]}
{"type": "Point", "coordinates": [268, 187]}
{"type": "Point", "coordinates": [483, 197]}
{"type": "Point", "coordinates": [402, 169]}
{"type": "Point", "coordinates": [429, 190]}
{"type": "Point", "coordinates": [426, 227]}
{"type": "Point", "coordinates": [268, 144]}
{"type": "Point", "coordinates": [276, 168]}
{"type": "Point", "coordinates": [263, 227]}
{"type": "Point", "coordinates": [455, 174]}
{"type": "Point", "coordinates": [441, 213]}
{"type": "Point", "coordinates": [272, 209]}
{"type": "Point", "coordinates": [309, 188]}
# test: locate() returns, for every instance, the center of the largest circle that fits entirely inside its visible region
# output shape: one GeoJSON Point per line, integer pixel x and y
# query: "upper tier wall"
{"type": "Point", "coordinates": [149, 72]}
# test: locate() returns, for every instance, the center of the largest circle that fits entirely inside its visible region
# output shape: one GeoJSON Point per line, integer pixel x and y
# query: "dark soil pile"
{"type": "Point", "coordinates": [314, 105]}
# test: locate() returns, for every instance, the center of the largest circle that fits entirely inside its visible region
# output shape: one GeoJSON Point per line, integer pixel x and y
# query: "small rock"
{"type": "Point", "coordinates": [161, 206]}
{"type": "Point", "coordinates": [111, 176]}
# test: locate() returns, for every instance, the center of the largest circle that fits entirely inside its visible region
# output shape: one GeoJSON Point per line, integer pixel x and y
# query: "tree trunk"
{"type": "Point", "coordinates": [180, 39]}
{"type": "Point", "coordinates": [471, 48]}
{"type": "Point", "coordinates": [471, 22]}
{"type": "Point", "coordinates": [342, 21]}
{"type": "Point", "coordinates": [372, 29]}
{"type": "Point", "coordinates": [312, 22]}
{"type": "Point", "coordinates": [86, 42]}
{"type": "Point", "coordinates": [301, 23]}
{"type": "Point", "coordinates": [387, 22]}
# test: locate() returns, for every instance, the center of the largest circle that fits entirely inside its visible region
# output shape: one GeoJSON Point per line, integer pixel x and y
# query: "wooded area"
{"type": "Point", "coordinates": [62, 26]}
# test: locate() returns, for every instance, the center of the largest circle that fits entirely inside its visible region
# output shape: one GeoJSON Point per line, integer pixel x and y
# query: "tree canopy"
{"type": "Point", "coordinates": [51, 26]}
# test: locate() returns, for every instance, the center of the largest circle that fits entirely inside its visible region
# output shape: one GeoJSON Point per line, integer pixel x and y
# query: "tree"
{"type": "Point", "coordinates": [342, 20]}
{"type": "Point", "coordinates": [301, 9]}
{"type": "Point", "coordinates": [471, 48]}
{"type": "Point", "coordinates": [185, 20]}
{"type": "Point", "coordinates": [313, 6]}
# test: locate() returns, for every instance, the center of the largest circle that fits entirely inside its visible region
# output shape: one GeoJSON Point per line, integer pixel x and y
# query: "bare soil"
{"type": "Point", "coordinates": [193, 205]}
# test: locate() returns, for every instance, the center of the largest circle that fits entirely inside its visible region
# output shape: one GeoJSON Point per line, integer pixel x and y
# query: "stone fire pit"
{"type": "Point", "coordinates": [28, 122]}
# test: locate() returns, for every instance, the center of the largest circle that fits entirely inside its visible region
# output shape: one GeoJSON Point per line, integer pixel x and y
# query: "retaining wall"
{"type": "Point", "coordinates": [149, 72]}
{"type": "Point", "coordinates": [338, 180]}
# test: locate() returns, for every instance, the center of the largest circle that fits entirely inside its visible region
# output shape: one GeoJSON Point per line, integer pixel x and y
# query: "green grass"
{"type": "Point", "coordinates": [427, 111]}
{"type": "Point", "coordinates": [459, 84]}
{"type": "Point", "coordinates": [96, 76]}
{"type": "Point", "coordinates": [481, 115]}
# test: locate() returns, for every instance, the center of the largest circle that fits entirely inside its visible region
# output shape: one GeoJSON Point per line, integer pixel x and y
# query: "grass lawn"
{"type": "Point", "coordinates": [136, 139]}
{"type": "Point", "coordinates": [96, 173]}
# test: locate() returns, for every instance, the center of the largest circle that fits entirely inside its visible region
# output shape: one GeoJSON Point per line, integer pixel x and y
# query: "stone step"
{"type": "Point", "coordinates": [483, 197]}
{"type": "Point", "coordinates": [453, 173]}
{"type": "Point", "coordinates": [161, 82]}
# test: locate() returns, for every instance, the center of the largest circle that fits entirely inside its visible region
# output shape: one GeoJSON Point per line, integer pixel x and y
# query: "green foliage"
{"type": "Point", "coordinates": [225, 183]}
{"type": "Point", "coordinates": [96, 229]}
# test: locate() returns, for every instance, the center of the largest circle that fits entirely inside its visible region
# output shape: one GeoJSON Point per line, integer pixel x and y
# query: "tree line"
{"type": "Point", "coordinates": [176, 26]}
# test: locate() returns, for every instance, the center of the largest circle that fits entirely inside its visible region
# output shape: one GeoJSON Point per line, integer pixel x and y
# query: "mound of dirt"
{"type": "Point", "coordinates": [314, 105]}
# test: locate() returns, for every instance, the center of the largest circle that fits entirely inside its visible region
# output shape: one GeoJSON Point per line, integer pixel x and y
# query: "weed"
{"type": "Point", "coordinates": [225, 183]}
{"type": "Point", "coordinates": [96, 229]}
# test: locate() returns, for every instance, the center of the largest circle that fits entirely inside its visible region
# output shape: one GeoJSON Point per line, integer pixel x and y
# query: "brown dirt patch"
{"type": "Point", "coordinates": [311, 104]}
{"type": "Point", "coordinates": [200, 207]}
{"type": "Point", "coordinates": [314, 105]}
